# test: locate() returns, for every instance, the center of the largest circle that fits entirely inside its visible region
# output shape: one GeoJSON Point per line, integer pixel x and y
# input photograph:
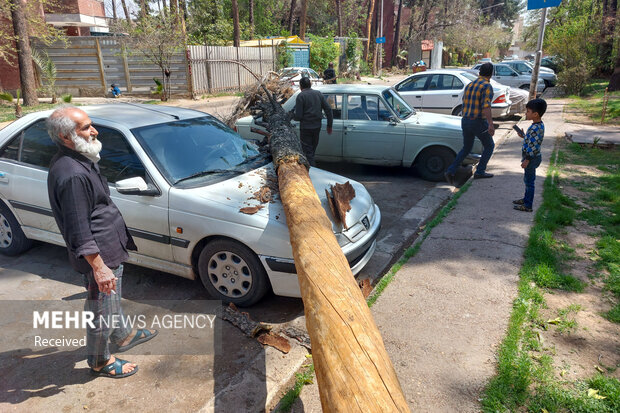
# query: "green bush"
{"type": "Point", "coordinates": [322, 51]}
{"type": "Point", "coordinates": [575, 79]}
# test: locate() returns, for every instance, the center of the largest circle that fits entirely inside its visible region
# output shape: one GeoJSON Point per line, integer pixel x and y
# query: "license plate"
{"type": "Point", "coordinates": [366, 222]}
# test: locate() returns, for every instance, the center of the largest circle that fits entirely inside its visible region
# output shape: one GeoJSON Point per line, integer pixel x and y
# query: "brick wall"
{"type": "Point", "coordinates": [87, 7]}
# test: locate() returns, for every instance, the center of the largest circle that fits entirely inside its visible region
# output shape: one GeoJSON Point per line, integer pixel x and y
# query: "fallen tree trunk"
{"type": "Point", "coordinates": [353, 370]}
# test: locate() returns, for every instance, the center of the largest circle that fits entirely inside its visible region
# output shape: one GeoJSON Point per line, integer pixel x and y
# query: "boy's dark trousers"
{"type": "Point", "coordinates": [529, 176]}
{"type": "Point", "coordinates": [309, 141]}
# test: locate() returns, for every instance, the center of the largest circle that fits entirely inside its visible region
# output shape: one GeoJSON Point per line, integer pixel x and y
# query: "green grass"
{"type": "Point", "coordinates": [525, 378]}
{"type": "Point", "coordinates": [7, 111]}
{"type": "Point", "coordinates": [591, 102]}
{"type": "Point", "coordinates": [301, 379]}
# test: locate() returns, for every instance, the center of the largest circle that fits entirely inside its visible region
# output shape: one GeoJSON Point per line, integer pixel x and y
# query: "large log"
{"type": "Point", "coordinates": [353, 370]}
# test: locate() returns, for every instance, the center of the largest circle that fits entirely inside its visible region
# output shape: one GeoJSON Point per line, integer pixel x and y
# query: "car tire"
{"type": "Point", "coordinates": [524, 87]}
{"type": "Point", "coordinates": [13, 241]}
{"type": "Point", "coordinates": [458, 111]}
{"type": "Point", "coordinates": [231, 272]}
{"type": "Point", "coordinates": [433, 162]}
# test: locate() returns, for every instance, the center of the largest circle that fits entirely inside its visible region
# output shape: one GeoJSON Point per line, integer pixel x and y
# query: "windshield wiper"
{"type": "Point", "coordinates": [252, 158]}
{"type": "Point", "coordinates": [205, 173]}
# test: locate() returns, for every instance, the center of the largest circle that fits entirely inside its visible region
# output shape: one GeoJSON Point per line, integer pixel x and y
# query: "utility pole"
{"type": "Point", "coordinates": [541, 36]}
{"type": "Point", "coordinates": [381, 44]}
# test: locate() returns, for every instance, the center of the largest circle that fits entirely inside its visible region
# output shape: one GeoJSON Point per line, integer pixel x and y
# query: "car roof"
{"type": "Point", "coordinates": [136, 115]}
{"type": "Point", "coordinates": [351, 88]}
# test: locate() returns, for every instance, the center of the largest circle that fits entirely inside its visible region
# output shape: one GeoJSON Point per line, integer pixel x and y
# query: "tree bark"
{"type": "Point", "coordinates": [396, 44]}
{"type": "Point", "coordinates": [291, 14]}
{"type": "Point", "coordinates": [614, 82]}
{"type": "Point", "coordinates": [302, 19]}
{"type": "Point", "coordinates": [126, 11]}
{"type": "Point", "coordinates": [143, 9]}
{"type": "Point", "coordinates": [339, 16]}
{"type": "Point", "coordinates": [608, 29]}
{"type": "Point", "coordinates": [24, 54]}
{"type": "Point", "coordinates": [236, 30]}
{"type": "Point", "coordinates": [353, 370]}
{"type": "Point", "coordinates": [251, 17]}
{"type": "Point", "coordinates": [371, 10]}
{"type": "Point", "coordinates": [114, 15]}
{"type": "Point", "coordinates": [174, 11]}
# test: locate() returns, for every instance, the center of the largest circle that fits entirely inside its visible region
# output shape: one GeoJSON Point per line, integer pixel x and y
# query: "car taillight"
{"type": "Point", "coordinates": [235, 128]}
{"type": "Point", "coordinates": [500, 99]}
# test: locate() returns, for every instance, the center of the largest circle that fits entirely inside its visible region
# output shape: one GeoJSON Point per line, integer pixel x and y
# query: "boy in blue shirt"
{"type": "Point", "coordinates": [531, 157]}
{"type": "Point", "coordinates": [116, 92]}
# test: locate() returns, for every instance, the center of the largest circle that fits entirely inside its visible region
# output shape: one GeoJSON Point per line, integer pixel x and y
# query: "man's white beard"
{"type": "Point", "coordinates": [88, 149]}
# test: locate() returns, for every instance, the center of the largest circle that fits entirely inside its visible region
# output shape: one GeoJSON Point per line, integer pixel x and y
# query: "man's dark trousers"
{"type": "Point", "coordinates": [473, 128]}
{"type": "Point", "coordinates": [309, 141]}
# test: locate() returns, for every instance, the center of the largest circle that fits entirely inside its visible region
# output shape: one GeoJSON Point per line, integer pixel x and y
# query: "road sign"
{"type": "Point", "coordinates": [541, 4]}
{"type": "Point", "coordinates": [380, 39]}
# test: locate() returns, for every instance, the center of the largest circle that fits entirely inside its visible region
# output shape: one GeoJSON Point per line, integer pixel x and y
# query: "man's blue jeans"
{"type": "Point", "coordinates": [529, 177]}
{"type": "Point", "coordinates": [473, 128]}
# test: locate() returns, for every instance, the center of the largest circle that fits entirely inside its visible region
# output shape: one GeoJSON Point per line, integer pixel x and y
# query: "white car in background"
{"type": "Point", "coordinates": [294, 75]}
{"type": "Point", "coordinates": [506, 75]}
{"type": "Point", "coordinates": [525, 67]}
{"type": "Point", "coordinates": [441, 91]}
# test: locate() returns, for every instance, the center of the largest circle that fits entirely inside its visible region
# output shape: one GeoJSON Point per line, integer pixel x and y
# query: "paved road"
{"type": "Point", "coordinates": [43, 273]}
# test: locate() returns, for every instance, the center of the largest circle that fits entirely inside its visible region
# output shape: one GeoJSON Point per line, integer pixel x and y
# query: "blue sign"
{"type": "Point", "coordinates": [380, 39]}
{"type": "Point", "coordinates": [541, 4]}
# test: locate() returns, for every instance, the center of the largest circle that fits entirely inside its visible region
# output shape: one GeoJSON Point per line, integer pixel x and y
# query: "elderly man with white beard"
{"type": "Point", "coordinates": [96, 236]}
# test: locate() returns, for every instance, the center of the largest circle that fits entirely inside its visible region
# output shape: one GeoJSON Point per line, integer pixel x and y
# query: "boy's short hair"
{"type": "Point", "coordinates": [486, 69]}
{"type": "Point", "coordinates": [537, 105]}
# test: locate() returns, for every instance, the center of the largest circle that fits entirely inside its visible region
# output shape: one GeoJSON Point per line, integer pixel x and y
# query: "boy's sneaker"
{"type": "Point", "coordinates": [449, 178]}
{"type": "Point", "coordinates": [518, 201]}
{"type": "Point", "coordinates": [522, 208]}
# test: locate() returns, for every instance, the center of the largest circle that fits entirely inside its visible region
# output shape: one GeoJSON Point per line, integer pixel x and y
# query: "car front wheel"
{"type": "Point", "coordinates": [458, 111]}
{"type": "Point", "coordinates": [433, 162]}
{"type": "Point", "coordinates": [12, 238]}
{"type": "Point", "coordinates": [231, 272]}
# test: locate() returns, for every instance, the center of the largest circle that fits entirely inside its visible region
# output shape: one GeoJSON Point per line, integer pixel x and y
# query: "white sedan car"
{"type": "Point", "coordinates": [294, 75]}
{"type": "Point", "coordinates": [180, 178]}
{"type": "Point", "coordinates": [441, 91]}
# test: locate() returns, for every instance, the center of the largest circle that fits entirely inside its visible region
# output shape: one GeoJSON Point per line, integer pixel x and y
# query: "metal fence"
{"type": "Point", "coordinates": [211, 75]}
{"type": "Point", "coordinates": [89, 65]}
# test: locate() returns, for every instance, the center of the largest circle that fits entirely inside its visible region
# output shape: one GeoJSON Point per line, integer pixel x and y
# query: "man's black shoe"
{"type": "Point", "coordinates": [483, 175]}
{"type": "Point", "coordinates": [449, 178]}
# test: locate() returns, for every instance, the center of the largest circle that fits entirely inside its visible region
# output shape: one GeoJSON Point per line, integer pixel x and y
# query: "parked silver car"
{"type": "Point", "coordinates": [180, 178]}
{"type": "Point", "coordinates": [294, 75]}
{"type": "Point", "coordinates": [506, 75]}
{"type": "Point", "coordinates": [525, 67]}
{"type": "Point", "coordinates": [441, 91]}
{"type": "Point", "coordinates": [375, 125]}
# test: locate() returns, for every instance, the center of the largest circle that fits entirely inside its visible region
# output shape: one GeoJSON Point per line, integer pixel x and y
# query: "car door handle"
{"type": "Point", "coordinates": [455, 96]}
{"type": "Point", "coordinates": [4, 177]}
{"type": "Point", "coordinates": [350, 127]}
{"type": "Point", "coordinates": [419, 97]}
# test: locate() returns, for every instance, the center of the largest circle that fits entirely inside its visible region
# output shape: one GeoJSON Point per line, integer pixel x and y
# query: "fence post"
{"type": "Point", "coordinates": [238, 70]}
{"type": "Point", "coordinates": [188, 73]}
{"type": "Point", "coordinates": [100, 60]}
{"type": "Point", "coordinates": [208, 67]}
{"type": "Point", "coordinates": [260, 57]}
{"type": "Point", "coordinates": [126, 67]}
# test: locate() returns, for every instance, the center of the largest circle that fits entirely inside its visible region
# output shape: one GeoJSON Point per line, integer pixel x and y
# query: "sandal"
{"type": "Point", "coordinates": [518, 201]}
{"type": "Point", "coordinates": [117, 366]}
{"type": "Point", "coordinates": [142, 336]}
{"type": "Point", "coordinates": [522, 208]}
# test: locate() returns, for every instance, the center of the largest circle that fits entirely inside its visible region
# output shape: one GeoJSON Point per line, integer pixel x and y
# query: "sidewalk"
{"type": "Point", "coordinates": [447, 310]}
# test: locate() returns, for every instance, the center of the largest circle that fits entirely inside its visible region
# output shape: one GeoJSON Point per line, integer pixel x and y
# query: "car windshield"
{"type": "Point", "coordinates": [469, 76]}
{"type": "Point", "coordinates": [397, 103]}
{"type": "Point", "coordinates": [190, 149]}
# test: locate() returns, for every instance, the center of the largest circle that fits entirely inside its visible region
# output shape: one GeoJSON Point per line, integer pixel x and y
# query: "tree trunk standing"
{"type": "Point", "coordinates": [251, 17]}
{"type": "Point", "coordinates": [164, 9]}
{"type": "Point", "coordinates": [174, 11]}
{"type": "Point", "coordinates": [302, 19]}
{"type": "Point", "coordinates": [24, 54]}
{"type": "Point", "coordinates": [353, 370]}
{"type": "Point", "coordinates": [371, 10]}
{"type": "Point", "coordinates": [143, 9]}
{"type": "Point", "coordinates": [374, 34]}
{"type": "Point", "coordinates": [114, 15]}
{"type": "Point", "coordinates": [236, 31]}
{"type": "Point", "coordinates": [339, 16]}
{"type": "Point", "coordinates": [614, 82]}
{"type": "Point", "coordinates": [126, 11]}
{"type": "Point", "coordinates": [396, 44]}
{"type": "Point", "coordinates": [291, 14]}
{"type": "Point", "coordinates": [608, 29]}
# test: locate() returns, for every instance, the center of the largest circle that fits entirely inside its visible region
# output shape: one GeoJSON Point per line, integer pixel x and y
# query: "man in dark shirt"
{"type": "Point", "coordinates": [476, 122]}
{"type": "Point", "coordinates": [309, 108]}
{"type": "Point", "coordinates": [95, 233]}
{"type": "Point", "coordinates": [329, 75]}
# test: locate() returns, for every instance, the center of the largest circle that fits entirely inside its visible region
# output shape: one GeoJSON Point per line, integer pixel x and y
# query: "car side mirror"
{"type": "Point", "coordinates": [136, 186]}
{"type": "Point", "coordinates": [393, 121]}
{"type": "Point", "coordinates": [515, 74]}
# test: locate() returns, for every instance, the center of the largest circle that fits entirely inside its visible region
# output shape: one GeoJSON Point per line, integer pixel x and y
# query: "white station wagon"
{"type": "Point", "coordinates": [180, 178]}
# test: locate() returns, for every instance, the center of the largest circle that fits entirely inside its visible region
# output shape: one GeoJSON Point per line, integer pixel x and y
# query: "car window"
{"type": "Point", "coordinates": [397, 103]}
{"type": "Point", "coordinates": [37, 146]}
{"type": "Point", "coordinates": [11, 150]}
{"type": "Point", "coordinates": [451, 82]}
{"type": "Point", "coordinates": [118, 160]}
{"type": "Point", "coordinates": [335, 102]}
{"type": "Point", "coordinates": [503, 71]}
{"type": "Point", "coordinates": [313, 74]}
{"type": "Point", "coordinates": [412, 84]}
{"type": "Point", "coordinates": [469, 76]}
{"type": "Point", "coordinates": [434, 83]}
{"type": "Point", "coordinates": [357, 107]}
{"type": "Point", "coordinates": [522, 68]}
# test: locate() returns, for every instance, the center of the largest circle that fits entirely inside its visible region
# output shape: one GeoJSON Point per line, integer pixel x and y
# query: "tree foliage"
{"type": "Point", "coordinates": [322, 52]}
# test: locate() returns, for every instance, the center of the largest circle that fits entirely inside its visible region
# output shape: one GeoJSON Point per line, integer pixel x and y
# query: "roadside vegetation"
{"type": "Point", "coordinates": [561, 351]}
{"type": "Point", "coordinates": [588, 108]}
